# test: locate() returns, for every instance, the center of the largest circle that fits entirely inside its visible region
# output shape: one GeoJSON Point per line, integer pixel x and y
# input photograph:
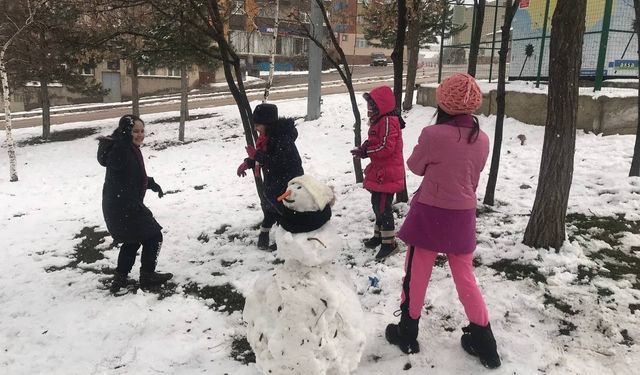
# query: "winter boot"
{"type": "Point", "coordinates": [151, 279]}
{"type": "Point", "coordinates": [404, 334]}
{"type": "Point", "coordinates": [263, 238]}
{"type": "Point", "coordinates": [389, 245]}
{"type": "Point", "coordinates": [479, 341]}
{"type": "Point", "coordinates": [374, 241]}
{"type": "Point", "coordinates": [119, 281]}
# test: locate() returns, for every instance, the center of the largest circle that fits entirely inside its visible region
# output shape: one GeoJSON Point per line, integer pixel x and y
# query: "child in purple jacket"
{"type": "Point", "coordinates": [442, 219]}
{"type": "Point", "coordinates": [384, 176]}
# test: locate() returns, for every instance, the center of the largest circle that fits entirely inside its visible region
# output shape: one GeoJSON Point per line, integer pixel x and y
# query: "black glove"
{"type": "Point", "coordinates": [155, 187]}
{"type": "Point", "coordinates": [361, 152]}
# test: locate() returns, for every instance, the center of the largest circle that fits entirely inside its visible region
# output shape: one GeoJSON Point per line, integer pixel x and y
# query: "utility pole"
{"type": "Point", "coordinates": [315, 63]}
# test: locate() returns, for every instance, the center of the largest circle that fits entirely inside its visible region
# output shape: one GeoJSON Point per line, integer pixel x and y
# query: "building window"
{"type": "Point", "coordinates": [299, 46]}
{"type": "Point", "coordinates": [86, 70]}
{"type": "Point", "coordinates": [113, 65]}
{"type": "Point", "coordinates": [146, 72]}
{"type": "Point", "coordinates": [173, 72]}
{"type": "Point", "coordinates": [361, 43]}
{"type": "Point", "coordinates": [345, 37]}
{"type": "Point", "coordinates": [361, 20]}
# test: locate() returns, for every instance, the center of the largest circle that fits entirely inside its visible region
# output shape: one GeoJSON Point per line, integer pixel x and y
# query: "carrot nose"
{"type": "Point", "coordinates": [284, 195]}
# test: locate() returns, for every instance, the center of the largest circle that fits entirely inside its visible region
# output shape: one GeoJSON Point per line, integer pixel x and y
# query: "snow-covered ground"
{"type": "Point", "coordinates": [575, 311]}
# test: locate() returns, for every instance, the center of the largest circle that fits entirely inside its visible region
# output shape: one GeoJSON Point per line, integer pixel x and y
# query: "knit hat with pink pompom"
{"type": "Point", "coordinates": [459, 94]}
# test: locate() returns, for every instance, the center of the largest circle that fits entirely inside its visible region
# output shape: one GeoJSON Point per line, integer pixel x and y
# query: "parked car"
{"type": "Point", "coordinates": [378, 59]}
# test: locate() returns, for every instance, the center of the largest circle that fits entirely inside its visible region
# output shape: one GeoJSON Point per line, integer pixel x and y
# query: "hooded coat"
{"type": "Point", "coordinates": [450, 165]}
{"type": "Point", "coordinates": [128, 219]}
{"type": "Point", "coordinates": [280, 162]}
{"type": "Point", "coordinates": [385, 173]}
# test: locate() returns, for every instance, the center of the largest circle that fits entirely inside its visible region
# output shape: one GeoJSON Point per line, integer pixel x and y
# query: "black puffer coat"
{"type": "Point", "coordinates": [127, 218]}
{"type": "Point", "coordinates": [280, 163]}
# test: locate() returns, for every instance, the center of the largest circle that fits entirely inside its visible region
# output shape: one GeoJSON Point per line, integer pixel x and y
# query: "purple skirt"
{"type": "Point", "coordinates": [439, 229]}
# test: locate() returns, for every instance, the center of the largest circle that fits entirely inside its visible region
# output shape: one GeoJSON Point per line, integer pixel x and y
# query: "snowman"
{"type": "Point", "coordinates": [304, 317]}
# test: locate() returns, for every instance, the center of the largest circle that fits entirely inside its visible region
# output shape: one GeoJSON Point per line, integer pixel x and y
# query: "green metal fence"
{"type": "Point", "coordinates": [609, 50]}
{"type": "Point", "coordinates": [455, 51]}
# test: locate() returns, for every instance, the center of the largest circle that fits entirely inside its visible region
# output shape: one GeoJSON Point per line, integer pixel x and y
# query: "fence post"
{"type": "Point", "coordinates": [544, 36]}
{"type": "Point", "coordinates": [445, 8]}
{"type": "Point", "coordinates": [493, 42]}
{"type": "Point", "coordinates": [604, 40]}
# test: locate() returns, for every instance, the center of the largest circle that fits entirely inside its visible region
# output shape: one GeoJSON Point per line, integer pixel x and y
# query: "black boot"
{"type": "Point", "coordinates": [387, 249]}
{"type": "Point", "coordinates": [263, 239]}
{"type": "Point", "coordinates": [374, 241]}
{"type": "Point", "coordinates": [151, 279]}
{"type": "Point", "coordinates": [389, 245]}
{"type": "Point", "coordinates": [404, 334]}
{"type": "Point", "coordinates": [479, 341]}
{"type": "Point", "coordinates": [119, 281]}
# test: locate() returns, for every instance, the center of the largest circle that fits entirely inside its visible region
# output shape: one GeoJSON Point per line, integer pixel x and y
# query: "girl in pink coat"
{"type": "Point", "coordinates": [384, 176]}
{"type": "Point", "coordinates": [442, 219]}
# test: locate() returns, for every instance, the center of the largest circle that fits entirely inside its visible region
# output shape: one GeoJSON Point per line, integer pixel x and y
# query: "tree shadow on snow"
{"type": "Point", "coordinates": [60, 136]}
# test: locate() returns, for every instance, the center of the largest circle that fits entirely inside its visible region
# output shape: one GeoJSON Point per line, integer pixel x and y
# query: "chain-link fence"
{"type": "Point", "coordinates": [609, 50]}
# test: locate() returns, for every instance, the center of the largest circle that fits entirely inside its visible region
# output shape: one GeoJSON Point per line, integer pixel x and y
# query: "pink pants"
{"type": "Point", "coordinates": [418, 266]}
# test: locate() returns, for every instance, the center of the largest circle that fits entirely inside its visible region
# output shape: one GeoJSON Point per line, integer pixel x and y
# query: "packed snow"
{"type": "Point", "coordinates": [572, 311]}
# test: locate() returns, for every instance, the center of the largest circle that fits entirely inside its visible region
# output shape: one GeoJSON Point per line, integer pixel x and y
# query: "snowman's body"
{"type": "Point", "coordinates": [305, 317]}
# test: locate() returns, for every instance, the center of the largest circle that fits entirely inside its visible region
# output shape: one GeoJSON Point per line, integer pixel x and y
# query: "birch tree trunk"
{"type": "Point", "coordinates": [11, 147]}
{"type": "Point", "coordinates": [272, 62]}
{"type": "Point", "coordinates": [413, 47]}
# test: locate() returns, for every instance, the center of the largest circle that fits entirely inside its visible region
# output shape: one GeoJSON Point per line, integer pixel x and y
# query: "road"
{"type": "Point", "coordinates": [284, 87]}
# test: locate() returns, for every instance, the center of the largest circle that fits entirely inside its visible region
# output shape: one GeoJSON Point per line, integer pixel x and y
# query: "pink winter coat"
{"type": "Point", "coordinates": [450, 165]}
{"type": "Point", "coordinates": [385, 173]}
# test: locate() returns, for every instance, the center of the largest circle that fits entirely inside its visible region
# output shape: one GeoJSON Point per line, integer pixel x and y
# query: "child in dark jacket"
{"type": "Point", "coordinates": [442, 218]}
{"type": "Point", "coordinates": [384, 176]}
{"type": "Point", "coordinates": [276, 156]}
{"type": "Point", "coordinates": [128, 220]}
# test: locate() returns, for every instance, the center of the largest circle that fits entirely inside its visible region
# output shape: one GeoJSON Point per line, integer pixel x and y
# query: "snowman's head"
{"type": "Point", "coordinates": [306, 194]}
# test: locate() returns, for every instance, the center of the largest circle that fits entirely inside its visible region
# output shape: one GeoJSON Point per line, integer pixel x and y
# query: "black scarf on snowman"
{"type": "Point", "coordinates": [301, 222]}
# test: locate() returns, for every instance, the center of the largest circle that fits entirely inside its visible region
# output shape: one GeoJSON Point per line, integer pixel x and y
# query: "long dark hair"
{"type": "Point", "coordinates": [443, 117]}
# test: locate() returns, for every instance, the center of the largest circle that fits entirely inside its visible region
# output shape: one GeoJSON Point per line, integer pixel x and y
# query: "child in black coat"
{"type": "Point", "coordinates": [128, 220]}
{"type": "Point", "coordinates": [277, 157]}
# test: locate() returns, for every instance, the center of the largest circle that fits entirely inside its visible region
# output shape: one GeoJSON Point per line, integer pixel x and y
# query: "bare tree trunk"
{"type": "Point", "coordinates": [476, 36]}
{"type": "Point", "coordinates": [546, 226]}
{"type": "Point", "coordinates": [397, 58]}
{"type": "Point", "coordinates": [11, 146]}
{"type": "Point", "coordinates": [357, 140]}
{"type": "Point", "coordinates": [413, 47]}
{"type": "Point", "coordinates": [46, 109]}
{"type": "Point", "coordinates": [184, 101]}
{"type": "Point", "coordinates": [398, 52]}
{"type": "Point", "coordinates": [135, 97]}
{"type": "Point", "coordinates": [635, 160]}
{"type": "Point", "coordinates": [502, 78]}
{"type": "Point", "coordinates": [272, 61]}
{"type": "Point", "coordinates": [243, 105]}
